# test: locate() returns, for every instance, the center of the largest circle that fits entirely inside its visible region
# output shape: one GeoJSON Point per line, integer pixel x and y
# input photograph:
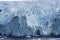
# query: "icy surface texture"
{"type": "Point", "coordinates": [30, 18]}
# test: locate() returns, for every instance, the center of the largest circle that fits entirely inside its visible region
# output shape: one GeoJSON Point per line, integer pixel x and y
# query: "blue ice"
{"type": "Point", "coordinates": [27, 18]}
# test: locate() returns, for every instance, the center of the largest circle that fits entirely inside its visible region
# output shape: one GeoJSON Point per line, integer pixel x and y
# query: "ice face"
{"type": "Point", "coordinates": [16, 29]}
{"type": "Point", "coordinates": [29, 18]}
{"type": "Point", "coordinates": [56, 23]}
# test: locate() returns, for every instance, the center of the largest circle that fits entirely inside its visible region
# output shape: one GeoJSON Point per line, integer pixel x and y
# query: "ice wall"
{"type": "Point", "coordinates": [42, 16]}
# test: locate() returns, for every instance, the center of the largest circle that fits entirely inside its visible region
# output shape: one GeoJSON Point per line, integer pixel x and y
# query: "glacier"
{"type": "Point", "coordinates": [30, 18]}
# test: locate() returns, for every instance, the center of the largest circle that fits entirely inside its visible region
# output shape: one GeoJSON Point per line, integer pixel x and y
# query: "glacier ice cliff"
{"type": "Point", "coordinates": [30, 18]}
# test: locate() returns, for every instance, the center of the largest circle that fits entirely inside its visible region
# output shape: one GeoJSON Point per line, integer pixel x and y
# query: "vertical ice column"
{"type": "Point", "coordinates": [2, 28]}
{"type": "Point", "coordinates": [12, 27]}
{"type": "Point", "coordinates": [47, 9]}
{"type": "Point", "coordinates": [32, 21]}
{"type": "Point", "coordinates": [56, 23]}
{"type": "Point", "coordinates": [25, 30]}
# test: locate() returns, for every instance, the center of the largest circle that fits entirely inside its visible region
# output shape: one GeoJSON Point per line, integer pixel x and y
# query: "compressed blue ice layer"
{"type": "Point", "coordinates": [29, 18]}
{"type": "Point", "coordinates": [14, 28]}
{"type": "Point", "coordinates": [56, 25]}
